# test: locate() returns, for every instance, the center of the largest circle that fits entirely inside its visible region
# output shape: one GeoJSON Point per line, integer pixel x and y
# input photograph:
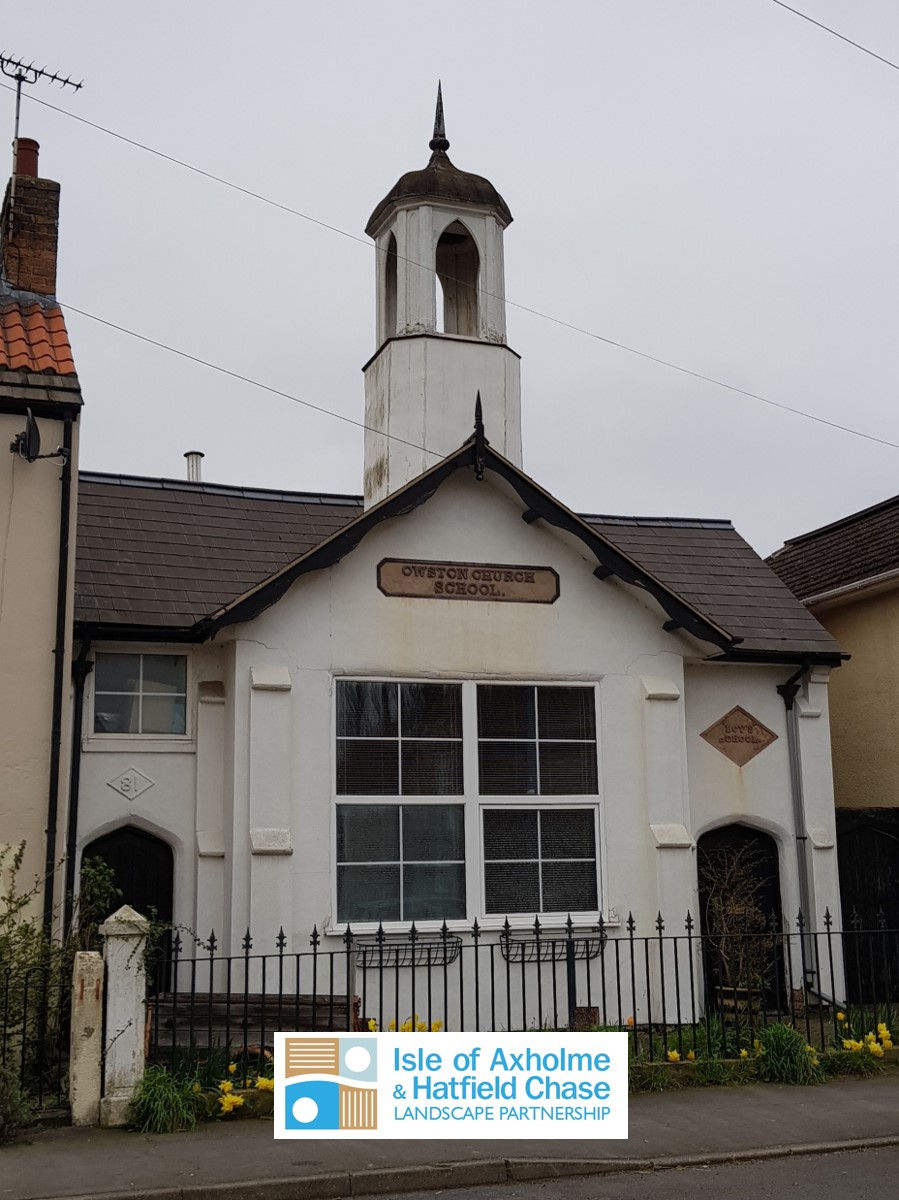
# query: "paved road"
{"type": "Point", "coordinates": [860, 1175]}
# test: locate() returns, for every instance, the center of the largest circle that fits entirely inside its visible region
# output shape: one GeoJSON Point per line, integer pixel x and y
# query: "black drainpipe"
{"type": "Point", "coordinates": [81, 668]}
{"type": "Point", "coordinates": [788, 692]}
{"type": "Point", "coordinates": [59, 681]}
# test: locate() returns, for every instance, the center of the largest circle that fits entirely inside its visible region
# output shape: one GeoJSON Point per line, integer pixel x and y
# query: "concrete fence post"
{"type": "Point", "coordinates": [125, 935]}
{"type": "Point", "coordinates": [86, 1040]}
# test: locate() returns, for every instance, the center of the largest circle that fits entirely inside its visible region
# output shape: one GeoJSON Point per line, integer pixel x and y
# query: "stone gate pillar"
{"type": "Point", "coordinates": [125, 936]}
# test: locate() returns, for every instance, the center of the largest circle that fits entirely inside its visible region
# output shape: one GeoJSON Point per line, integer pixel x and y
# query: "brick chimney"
{"type": "Point", "coordinates": [29, 225]}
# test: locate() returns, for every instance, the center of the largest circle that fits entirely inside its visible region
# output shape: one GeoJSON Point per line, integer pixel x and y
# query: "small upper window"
{"type": "Point", "coordinates": [140, 693]}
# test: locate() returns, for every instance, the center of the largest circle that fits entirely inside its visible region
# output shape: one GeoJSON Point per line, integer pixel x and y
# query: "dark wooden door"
{"type": "Point", "coordinates": [868, 854]}
{"type": "Point", "coordinates": [144, 869]}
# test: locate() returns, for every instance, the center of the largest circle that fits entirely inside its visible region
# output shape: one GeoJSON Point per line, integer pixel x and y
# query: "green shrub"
{"type": "Point", "coordinates": [15, 1110]}
{"type": "Point", "coordinates": [784, 1057]}
{"type": "Point", "coordinates": [164, 1103]}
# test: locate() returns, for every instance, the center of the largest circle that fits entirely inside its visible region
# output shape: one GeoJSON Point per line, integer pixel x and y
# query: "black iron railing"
{"type": "Point", "coordinates": [35, 1006]}
{"type": "Point", "coordinates": [668, 986]}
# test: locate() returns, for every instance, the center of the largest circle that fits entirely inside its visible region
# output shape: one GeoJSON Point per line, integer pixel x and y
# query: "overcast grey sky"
{"type": "Point", "coordinates": [711, 181]}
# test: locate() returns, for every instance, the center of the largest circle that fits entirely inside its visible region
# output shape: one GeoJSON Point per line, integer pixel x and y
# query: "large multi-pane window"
{"type": "Point", "coordinates": [420, 764]}
{"type": "Point", "coordinates": [140, 693]}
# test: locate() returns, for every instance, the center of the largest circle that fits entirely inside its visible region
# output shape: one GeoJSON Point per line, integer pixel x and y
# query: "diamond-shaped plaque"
{"type": "Point", "coordinates": [130, 784]}
{"type": "Point", "coordinates": [739, 736]}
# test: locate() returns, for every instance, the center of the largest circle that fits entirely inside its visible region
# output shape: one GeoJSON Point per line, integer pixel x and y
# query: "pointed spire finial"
{"type": "Point", "coordinates": [439, 141]}
{"type": "Point", "coordinates": [480, 440]}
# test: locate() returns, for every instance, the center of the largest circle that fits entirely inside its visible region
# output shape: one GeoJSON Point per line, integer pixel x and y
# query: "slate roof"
{"type": "Point", "coordinates": [714, 569]}
{"type": "Point", "coordinates": [852, 550]}
{"type": "Point", "coordinates": [161, 555]}
{"type": "Point", "coordinates": [33, 338]}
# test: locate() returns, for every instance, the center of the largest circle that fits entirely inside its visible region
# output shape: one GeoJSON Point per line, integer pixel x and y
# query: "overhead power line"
{"type": "Point", "coordinates": [618, 345]}
{"type": "Point", "coordinates": [827, 29]}
{"type": "Point", "coordinates": [203, 362]}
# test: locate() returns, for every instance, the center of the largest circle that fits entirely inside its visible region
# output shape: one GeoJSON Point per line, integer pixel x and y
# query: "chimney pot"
{"type": "Point", "coordinates": [194, 458]}
{"type": "Point", "coordinates": [27, 150]}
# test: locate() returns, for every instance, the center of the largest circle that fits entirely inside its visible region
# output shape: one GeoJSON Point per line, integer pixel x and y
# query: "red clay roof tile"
{"type": "Point", "coordinates": [34, 338]}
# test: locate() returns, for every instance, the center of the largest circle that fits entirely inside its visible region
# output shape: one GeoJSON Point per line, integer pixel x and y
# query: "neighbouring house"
{"type": "Point", "coordinates": [447, 699]}
{"type": "Point", "coordinates": [847, 575]}
{"type": "Point", "coordinates": [39, 390]}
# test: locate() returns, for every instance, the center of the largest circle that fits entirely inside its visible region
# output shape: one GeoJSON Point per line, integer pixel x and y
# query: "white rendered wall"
{"type": "Point", "coordinates": [28, 584]}
{"type": "Point", "coordinates": [757, 794]}
{"type": "Point", "coordinates": [337, 623]}
{"type": "Point", "coordinates": [421, 391]}
{"type": "Point", "coordinates": [185, 804]}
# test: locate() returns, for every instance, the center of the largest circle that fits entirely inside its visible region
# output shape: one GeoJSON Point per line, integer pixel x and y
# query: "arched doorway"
{"type": "Point", "coordinates": [144, 871]}
{"type": "Point", "coordinates": [740, 908]}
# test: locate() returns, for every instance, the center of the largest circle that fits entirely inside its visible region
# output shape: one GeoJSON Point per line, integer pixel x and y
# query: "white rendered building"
{"type": "Point", "coordinates": [450, 699]}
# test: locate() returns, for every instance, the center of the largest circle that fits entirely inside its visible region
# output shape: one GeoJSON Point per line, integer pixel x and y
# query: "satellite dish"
{"type": "Point", "coordinates": [28, 443]}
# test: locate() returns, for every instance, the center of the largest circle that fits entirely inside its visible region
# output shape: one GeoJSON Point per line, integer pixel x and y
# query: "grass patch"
{"type": "Point", "coordinates": [163, 1102]}
{"type": "Point", "coordinates": [649, 1077]}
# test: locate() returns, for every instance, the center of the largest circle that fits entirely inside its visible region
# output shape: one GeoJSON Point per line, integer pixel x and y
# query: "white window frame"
{"type": "Point", "coordinates": [474, 804]}
{"type": "Point", "coordinates": [138, 742]}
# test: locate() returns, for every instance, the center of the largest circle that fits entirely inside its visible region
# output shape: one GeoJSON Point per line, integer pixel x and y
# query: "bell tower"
{"type": "Point", "coordinates": [441, 323]}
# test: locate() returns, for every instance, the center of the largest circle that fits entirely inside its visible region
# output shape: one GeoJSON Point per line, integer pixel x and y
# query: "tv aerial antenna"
{"type": "Point", "coordinates": [22, 73]}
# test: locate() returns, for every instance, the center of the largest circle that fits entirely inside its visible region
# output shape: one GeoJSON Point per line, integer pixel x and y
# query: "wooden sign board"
{"type": "Point", "coordinates": [498, 582]}
{"type": "Point", "coordinates": [739, 736]}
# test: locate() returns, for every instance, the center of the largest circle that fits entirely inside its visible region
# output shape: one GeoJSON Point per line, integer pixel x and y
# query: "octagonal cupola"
{"type": "Point", "coordinates": [441, 321]}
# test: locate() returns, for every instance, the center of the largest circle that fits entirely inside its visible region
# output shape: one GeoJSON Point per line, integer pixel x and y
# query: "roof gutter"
{"type": "Point", "coordinates": [849, 589]}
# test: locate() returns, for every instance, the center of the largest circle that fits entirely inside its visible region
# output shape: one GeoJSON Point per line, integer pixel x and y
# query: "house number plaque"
{"type": "Point", "coordinates": [467, 581]}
